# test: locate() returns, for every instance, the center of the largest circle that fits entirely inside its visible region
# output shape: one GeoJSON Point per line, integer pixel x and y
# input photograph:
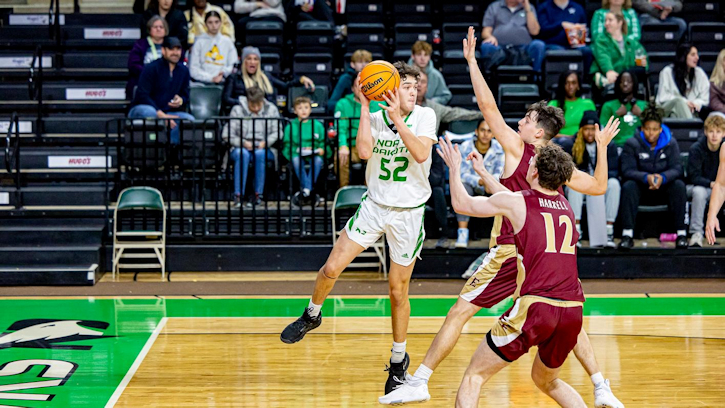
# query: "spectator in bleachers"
{"type": "Point", "coordinates": [625, 107]}
{"type": "Point", "coordinates": [569, 99]}
{"type": "Point", "coordinates": [584, 152]}
{"type": "Point", "coordinates": [437, 89]}
{"type": "Point", "coordinates": [652, 13]}
{"type": "Point", "coordinates": [195, 16]}
{"type": "Point", "coordinates": [309, 10]}
{"type": "Point", "coordinates": [146, 50]}
{"type": "Point", "coordinates": [482, 151]}
{"type": "Point", "coordinates": [213, 57]}
{"type": "Point", "coordinates": [563, 26]}
{"type": "Point", "coordinates": [623, 7]}
{"type": "Point", "coordinates": [177, 26]}
{"type": "Point", "coordinates": [652, 174]}
{"type": "Point", "coordinates": [358, 60]}
{"type": "Point", "coordinates": [615, 52]}
{"type": "Point", "coordinates": [347, 111]}
{"type": "Point", "coordinates": [717, 84]}
{"type": "Point", "coordinates": [444, 114]}
{"type": "Point", "coordinates": [254, 10]}
{"type": "Point", "coordinates": [702, 165]}
{"type": "Point", "coordinates": [163, 89]}
{"type": "Point", "coordinates": [684, 88]}
{"type": "Point", "coordinates": [512, 22]}
{"type": "Point", "coordinates": [251, 74]}
{"type": "Point", "coordinates": [303, 145]}
{"type": "Point", "coordinates": [251, 139]}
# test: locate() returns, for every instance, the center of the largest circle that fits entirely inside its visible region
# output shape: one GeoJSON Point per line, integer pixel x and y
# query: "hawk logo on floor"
{"type": "Point", "coordinates": [50, 333]}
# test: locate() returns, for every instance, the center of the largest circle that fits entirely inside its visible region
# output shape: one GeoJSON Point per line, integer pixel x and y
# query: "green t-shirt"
{"type": "Point", "coordinates": [310, 135]}
{"type": "Point", "coordinates": [626, 130]}
{"type": "Point", "coordinates": [573, 112]}
{"type": "Point", "coordinates": [347, 111]}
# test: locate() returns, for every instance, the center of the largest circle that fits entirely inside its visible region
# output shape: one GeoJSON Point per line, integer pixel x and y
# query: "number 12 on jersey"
{"type": "Point", "coordinates": [397, 176]}
{"type": "Point", "coordinates": [567, 246]}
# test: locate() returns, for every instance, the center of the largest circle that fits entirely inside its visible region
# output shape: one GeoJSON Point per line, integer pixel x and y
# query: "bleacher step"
{"type": "Point", "coordinates": [61, 194]}
{"type": "Point", "coordinates": [50, 255]}
{"type": "Point", "coordinates": [80, 274]}
{"type": "Point", "coordinates": [33, 235]}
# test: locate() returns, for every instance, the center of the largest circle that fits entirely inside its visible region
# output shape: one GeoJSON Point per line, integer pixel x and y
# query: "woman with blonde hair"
{"type": "Point", "coordinates": [251, 74]}
{"type": "Point", "coordinates": [615, 52]}
{"type": "Point", "coordinates": [623, 7]}
{"type": "Point", "coordinates": [717, 84]}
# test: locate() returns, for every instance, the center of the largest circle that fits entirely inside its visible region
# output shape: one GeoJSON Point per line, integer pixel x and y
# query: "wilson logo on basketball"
{"type": "Point", "coordinates": [371, 85]}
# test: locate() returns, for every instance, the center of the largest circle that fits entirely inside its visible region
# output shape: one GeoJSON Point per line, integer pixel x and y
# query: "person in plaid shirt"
{"type": "Point", "coordinates": [483, 145]}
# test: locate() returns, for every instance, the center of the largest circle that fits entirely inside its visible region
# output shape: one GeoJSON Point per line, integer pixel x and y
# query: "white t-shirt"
{"type": "Point", "coordinates": [393, 176]}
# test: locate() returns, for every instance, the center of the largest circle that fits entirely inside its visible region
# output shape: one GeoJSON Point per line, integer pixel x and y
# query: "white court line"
{"type": "Point", "coordinates": [136, 364]}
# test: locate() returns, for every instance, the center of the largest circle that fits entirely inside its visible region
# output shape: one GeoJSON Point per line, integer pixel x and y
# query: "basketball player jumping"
{"type": "Point", "coordinates": [495, 279]}
{"type": "Point", "coordinates": [396, 142]}
{"type": "Point", "coordinates": [547, 310]}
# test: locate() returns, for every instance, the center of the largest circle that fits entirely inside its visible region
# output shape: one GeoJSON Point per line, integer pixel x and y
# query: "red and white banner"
{"type": "Point", "coordinates": [95, 94]}
{"type": "Point", "coordinates": [78, 162]}
{"type": "Point", "coordinates": [111, 33]}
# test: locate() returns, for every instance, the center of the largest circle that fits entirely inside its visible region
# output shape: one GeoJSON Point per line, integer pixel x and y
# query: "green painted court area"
{"type": "Point", "coordinates": [82, 352]}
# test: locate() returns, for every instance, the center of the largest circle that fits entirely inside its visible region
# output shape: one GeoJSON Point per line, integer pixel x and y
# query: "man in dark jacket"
{"type": "Point", "coordinates": [652, 173]}
{"type": "Point", "coordinates": [163, 89]}
{"type": "Point", "coordinates": [702, 172]}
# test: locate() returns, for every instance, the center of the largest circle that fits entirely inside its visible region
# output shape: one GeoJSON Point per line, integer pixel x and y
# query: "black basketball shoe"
{"type": "Point", "coordinates": [297, 329]}
{"type": "Point", "coordinates": [396, 374]}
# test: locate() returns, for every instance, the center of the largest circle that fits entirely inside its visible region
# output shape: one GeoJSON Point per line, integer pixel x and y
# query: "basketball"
{"type": "Point", "coordinates": [377, 78]}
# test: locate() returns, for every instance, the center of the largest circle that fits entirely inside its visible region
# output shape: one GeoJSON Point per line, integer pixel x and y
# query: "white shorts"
{"type": "Point", "coordinates": [403, 229]}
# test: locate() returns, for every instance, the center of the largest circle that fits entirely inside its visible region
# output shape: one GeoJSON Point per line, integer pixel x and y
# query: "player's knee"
{"type": "Point", "coordinates": [398, 294]}
{"type": "Point", "coordinates": [330, 270]}
{"type": "Point", "coordinates": [543, 381]}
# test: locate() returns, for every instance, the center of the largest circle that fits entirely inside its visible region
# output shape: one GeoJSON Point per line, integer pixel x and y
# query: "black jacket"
{"type": "Point", "coordinates": [639, 159]}
{"type": "Point", "coordinates": [702, 164]}
{"type": "Point", "coordinates": [437, 176]}
{"type": "Point", "coordinates": [234, 88]}
{"type": "Point", "coordinates": [178, 26]}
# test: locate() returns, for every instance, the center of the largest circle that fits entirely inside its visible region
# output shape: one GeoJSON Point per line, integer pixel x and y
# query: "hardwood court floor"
{"type": "Point", "coordinates": [652, 361]}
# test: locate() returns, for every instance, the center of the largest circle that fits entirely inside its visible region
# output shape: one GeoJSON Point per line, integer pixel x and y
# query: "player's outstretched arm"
{"type": "Point", "coordinates": [503, 203]}
{"type": "Point", "coordinates": [597, 185]}
{"type": "Point", "coordinates": [510, 140]}
{"type": "Point", "coordinates": [364, 138]}
{"type": "Point", "coordinates": [717, 198]}
{"type": "Point", "coordinates": [492, 185]}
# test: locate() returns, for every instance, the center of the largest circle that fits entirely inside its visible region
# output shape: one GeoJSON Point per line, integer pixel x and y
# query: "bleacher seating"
{"type": "Point", "coordinates": [369, 36]}
{"type": "Point", "coordinates": [686, 131]}
{"type": "Point", "coordinates": [701, 10]}
{"type": "Point", "coordinates": [317, 67]}
{"type": "Point", "coordinates": [314, 36]}
{"type": "Point", "coordinates": [558, 62]}
{"type": "Point", "coordinates": [659, 37]}
{"type": "Point", "coordinates": [364, 12]}
{"type": "Point", "coordinates": [406, 35]}
{"type": "Point", "coordinates": [470, 13]}
{"type": "Point", "coordinates": [416, 13]}
{"type": "Point", "coordinates": [265, 35]}
{"type": "Point", "coordinates": [514, 99]}
{"type": "Point", "coordinates": [463, 96]}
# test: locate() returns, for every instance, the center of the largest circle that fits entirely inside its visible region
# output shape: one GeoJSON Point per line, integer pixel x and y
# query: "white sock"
{"type": "Point", "coordinates": [579, 229]}
{"type": "Point", "coordinates": [597, 379]}
{"type": "Point", "coordinates": [610, 229]}
{"type": "Point", "coordinates": [398, 352]}
{"type": "Point", "coordinates": [306, 191]}
{"type": "Point", "coordinates": [628, 233]}
{"type": "Point", "coordinates": [313, 310]}
{"type": "Point", "coordinates": [421, 376]}
{"type": "Point", "coordinates": [681, 233]}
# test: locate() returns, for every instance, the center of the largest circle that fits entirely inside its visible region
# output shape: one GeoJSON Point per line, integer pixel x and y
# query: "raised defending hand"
{"type": "Point", "coordinates": [450, 154]}
{"type": "Point", "coordinates": [604, 136]}
{"type": "Point", "coordinates": [476, 161]}
{"type": "Point", "coordinates": [469, 45]}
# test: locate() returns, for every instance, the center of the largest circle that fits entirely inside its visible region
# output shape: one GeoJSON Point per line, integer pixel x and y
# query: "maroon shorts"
{"type": "Point", "coordinates": [552, 325]}
{"type": "Point", "coordinates": [495, 279]}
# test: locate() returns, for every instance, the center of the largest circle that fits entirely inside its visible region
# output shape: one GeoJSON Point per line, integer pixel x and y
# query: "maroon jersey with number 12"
{"type": "Point", "coordinates": [546, 246]}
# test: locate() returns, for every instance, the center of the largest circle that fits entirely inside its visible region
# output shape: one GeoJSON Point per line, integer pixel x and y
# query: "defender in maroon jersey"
{"type": "Point", "coordinates": [547, 310]}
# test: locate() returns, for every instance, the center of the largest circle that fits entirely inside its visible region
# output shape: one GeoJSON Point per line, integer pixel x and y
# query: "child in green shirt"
{"type": "Point", "coordinates": [303, 145]}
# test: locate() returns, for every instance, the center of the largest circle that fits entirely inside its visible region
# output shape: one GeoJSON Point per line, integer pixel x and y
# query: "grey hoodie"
{"type": "Point", "coordinates": [437, 89]}
{"type": "Point", "coordinates": [252, 130]}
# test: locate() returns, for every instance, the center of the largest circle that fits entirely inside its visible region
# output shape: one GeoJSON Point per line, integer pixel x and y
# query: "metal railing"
{"type": "Point", "coordinates": [12, 156]}
{"type": "Point", "coordinates": [35, 87]}
{"type": "Point", "coordinates": [197, 174]}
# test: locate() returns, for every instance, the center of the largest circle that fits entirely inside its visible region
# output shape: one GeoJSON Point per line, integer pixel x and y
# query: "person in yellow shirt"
{"type": "Point", "coordinates": [195, 17]}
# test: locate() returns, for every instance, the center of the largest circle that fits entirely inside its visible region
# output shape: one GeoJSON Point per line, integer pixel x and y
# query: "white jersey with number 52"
{"type": "Point", "coordinates": [393, 176]}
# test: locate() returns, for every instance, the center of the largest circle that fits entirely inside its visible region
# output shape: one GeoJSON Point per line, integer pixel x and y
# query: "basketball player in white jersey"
{"type": "Point", "coordinates": [396, 142]}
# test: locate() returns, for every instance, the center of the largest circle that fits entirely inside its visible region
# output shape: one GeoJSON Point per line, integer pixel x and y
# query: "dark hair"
{"type": "Point", "coordinates": [618, 85]}
{"type": "Point", "coordinates": [681, 70]}
{"type": "Point", "coordinates": [212, 14]}
{"type": "Point", "coordinates": [555, 166]}
{"type": "Point", "coordinates": [478, 124]}
{"type": "Point", "coordinates": [561, 91]}
{"type": "Point", "coordinates": [255, 94]}
{"type": "Point", "coordinates": [302, 99]}
{"type": "Point", "coordinates": [548, 118]}
{"type": "Point", "coordinates": [406, 70]}
{"type": "Point", "coordinates": [651, 113]}
{"type": "Point", "coordinates": [154, 5]}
